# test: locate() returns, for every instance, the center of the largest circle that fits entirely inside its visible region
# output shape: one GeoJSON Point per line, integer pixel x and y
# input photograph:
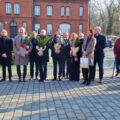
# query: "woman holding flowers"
{"type": "Point", "coordinates": [22, 49]}
{"type": "Point", "coordinates": [42, 54]}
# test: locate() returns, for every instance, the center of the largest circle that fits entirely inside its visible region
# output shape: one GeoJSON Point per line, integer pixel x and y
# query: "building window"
{"type": "Point", "coordinates": [49, 29]}
{"type": "Point", "coordinates": [1, 26]}
{"type": "Point", "coordinates": [67, 11]}
{"type": "Point", "coordinates": [17, 8]}
{"type": "Point", "coordinates": [37, 10]}
{"type": "Point", "coordinates": [80, 28]}
{"type": "Point", "coordinates": [49, 10]}
{"type": "Point", "coordinates": [37, 28]}
{"type": "Point", "coordinates": [25, 25]}
{"type": "Point", "coordinates": [8, 8]}
{"type": "Point", "coordinates": [65, 28]}
{"type": "Point", "coordinates": [81, 11]}
{"type": "Point", "coordinates": [62, 11]}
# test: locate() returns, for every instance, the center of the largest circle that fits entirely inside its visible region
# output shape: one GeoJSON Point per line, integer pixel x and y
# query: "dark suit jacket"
{"type": "Point", "coordinates": [6, 46]}
{"type": "Point", "coordinates": [45, 57]}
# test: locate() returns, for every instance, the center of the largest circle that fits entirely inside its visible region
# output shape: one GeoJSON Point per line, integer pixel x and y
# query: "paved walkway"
{"type": "Point", "coordinates": [63, 100]}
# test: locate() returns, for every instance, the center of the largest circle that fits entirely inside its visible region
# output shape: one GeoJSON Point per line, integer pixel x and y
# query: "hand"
{"type": "Point", "coordinates": [57, 51]}
{"type": "Point", "coordinates": [84, 54]}
{"type": "Point", "coordinates": [40, 53]}
{"type": "Point", "coordinates": [18, 53]}
{"type": "Point", "coordinates": [4, 55]}
{"type": "Point", "coordinates": [26, 53]}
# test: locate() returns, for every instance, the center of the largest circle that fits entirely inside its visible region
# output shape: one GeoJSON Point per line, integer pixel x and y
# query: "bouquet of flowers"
{"type": "Point", "coordinates": [26, 42]}
{"type": "Point", "coordinates": [42, 43]}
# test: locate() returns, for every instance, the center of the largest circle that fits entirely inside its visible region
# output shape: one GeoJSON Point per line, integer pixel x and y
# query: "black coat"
{"type": "Point", "coordinates": [45, 57]}
{"type": "Point", "coordinates": [6, 46]}
{"type": "Point", "coordinates": [100, 44]}
{"type": "Point", "coordinates": [54, 40]}
{"type": "Point", "coordinates": [33, 52]}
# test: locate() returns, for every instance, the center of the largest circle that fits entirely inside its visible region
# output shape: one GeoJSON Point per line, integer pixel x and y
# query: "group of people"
{"type": "Point", "coordinates": [66, 52]}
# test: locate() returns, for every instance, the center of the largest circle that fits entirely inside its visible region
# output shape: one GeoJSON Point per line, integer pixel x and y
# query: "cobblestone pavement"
{"type": "Point", "coordinates": [62, 100]}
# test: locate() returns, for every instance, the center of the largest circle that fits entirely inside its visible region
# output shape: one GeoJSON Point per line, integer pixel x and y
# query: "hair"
{"type": "Point", "coordinates": [44, 31]}
{"type": "Point", "coordinates": [82, 35]}
{"type": "Point", "coordinates": [21, 28]}
{"type": "Point", "coordinates": [92, 33]}
{"type": "Point", "coordinates": [5, 31]}
{"type": "Point", "coordinates": [75, 36]}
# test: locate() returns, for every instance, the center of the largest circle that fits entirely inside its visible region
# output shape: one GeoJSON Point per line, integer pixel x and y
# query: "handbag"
{"type": "Point", "coordinates": [84, 62]}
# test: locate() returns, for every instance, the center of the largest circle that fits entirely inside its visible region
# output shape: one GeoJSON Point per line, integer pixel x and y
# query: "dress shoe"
{"type": "Point", "coordinates": [41, 80]}
{"type": "Point", "coordinates": [10, 80]}
{"type": "Point", "coordinates": [2, 80]}
{"type": "Point", "coordinates": [54, 79]}
{"type": "Point", "coordinates": [23, 79]}
{"type": "Point", "coordinates": [117, 74]}
{"type": "Point", "coordinates": [31, 78]}
{"type": "Point", "coordinates": [19, 80]}
{"type": "Point", "coordinates": [84, 82]}
{"type": "Point", "coordinates": [88, 83]}
{"type": "Point", "coordinates": [101, 81]}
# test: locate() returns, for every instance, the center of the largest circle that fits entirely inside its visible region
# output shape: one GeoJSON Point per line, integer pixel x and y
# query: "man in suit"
{"type": "Point", "coordinates": [99, 53]}
{"type": "Point", "coordinates": [21, 60]}
{"type": "Point", "coordinates": [6, 47]}
{"type": "Point", "coordinates": [42, 58]}
{"type": "Point", "coordinates": [56, 46]}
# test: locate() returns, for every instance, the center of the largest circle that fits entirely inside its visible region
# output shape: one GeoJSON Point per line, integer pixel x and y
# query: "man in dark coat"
{"type": "Point", "coordinates": [42, 58]}
{"type": "Point", "coordinates": [65, 56]}
{"type": "Point", "coordinates": [56, 48]}
{"type": "Point", "coordinates": [99, 53]}
{"type": "Point", "coordinates": [32, 57]}
{"type": "Point", "coordinates": [117, 55]}
{"type": "Point", "coordinates": [6, 47]}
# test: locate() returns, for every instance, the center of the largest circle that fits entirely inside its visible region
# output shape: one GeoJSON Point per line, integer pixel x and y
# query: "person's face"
{"type": "Point", "coordinates": [22, 32]}
{"type": "Point", "coordinates": [80, 36]}
{"type": "Point", "coordinates": [59, 32]}
{"type": "Point", "coordinates": [66, 36]}
{"type": "Point", "coordinates": [88, 34]}
{"type": "Point", "coordinates": [71, 37]}
{"type": "Point", "coordinates": [4, 33]}
{"type": "Point", "coordinates": [42, 33]}
{"type": "Point", "coordinates": [35, 35]}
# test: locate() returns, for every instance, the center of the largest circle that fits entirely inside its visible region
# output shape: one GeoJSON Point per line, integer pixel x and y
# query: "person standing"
{"type": "Point", "coordinates": [21, 60]}
{"type": "Point", "coordinates": [65, 56]}
{"type": "Point", "coordinates": [75, 54]}
{"type": "Point", "coordinates": [32, 57]}
{"type": "Point", "coordinates": [43, 57]}
{"type": "Point", "coordinates": [56, 46]}
{"type": "Point", "coordinates": [6, 47]}
{"type": "Point", "coordinates": [88, 52]}
{"type": "Point", "coordinates": [117, 55]}
{"type": "Point", "coordinates": [99, 53]}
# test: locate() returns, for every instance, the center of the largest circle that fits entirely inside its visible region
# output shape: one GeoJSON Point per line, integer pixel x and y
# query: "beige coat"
{"type": "Point", "coordinates": [90, 50]}
{"type": "Point", "coordinates": [19, 60]}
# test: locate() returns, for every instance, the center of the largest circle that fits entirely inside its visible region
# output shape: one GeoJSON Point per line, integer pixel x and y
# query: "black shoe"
{"type": "Point", "coordinates": [10, 80]}
{"type": "Point", "coordinates": [117, 74]}
{"type": "Point", "coordinates": [19, 80]}
{"type": "Point", "coordinates": [84, 82]}
{"type": "Point", "coordinates": [41, 80]}
{"type": "Point", "coordinates": [88, 83]}
{"type": "Point", "coordinates": [2, 80]}
{"type": "Point", "coordinates": [54, 79]}
{"type": "Point", "coordinates": [23, 79]}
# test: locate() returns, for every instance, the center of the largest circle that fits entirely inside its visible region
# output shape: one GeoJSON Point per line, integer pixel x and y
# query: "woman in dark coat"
{"type": "Point", "coordinates": [42, 58]}
{"type": "Point", "coordinates": [75, 53]}
{"type": "Point", "coordinates": [6, 47]}
{"type": "Point", "coordinates": [32, 57]}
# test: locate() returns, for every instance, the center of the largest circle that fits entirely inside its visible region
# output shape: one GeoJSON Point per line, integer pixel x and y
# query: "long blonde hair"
{"type": "Point", "coordinates": [73, 38]}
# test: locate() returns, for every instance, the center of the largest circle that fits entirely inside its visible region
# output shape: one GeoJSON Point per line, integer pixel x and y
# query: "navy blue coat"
{"type": "Point", "coordinates": [6, 46]}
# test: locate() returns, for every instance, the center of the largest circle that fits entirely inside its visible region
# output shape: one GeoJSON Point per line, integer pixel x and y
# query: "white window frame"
{"type": "Point", "coordinates": [16, 8]}
{"type": "Point", "coordinates": [8, 8]}
{"type": "Point", "coordinates": [67, 11]}
{"type": "Point", "coordinates": [65, 28]}
{"type": "Point", "coordinates": [49, 29]}
{"type": "Point", "coordinates": [81, 11]}
{"type": "Point", "coordinates": [80, 28]}
{"type": "Point", "coordinates": [37, 28]}
{"type": "Point", "coordinates": [25, 25]}
{"type": "Point", "coordinates": [62, 11]}
{"type": "Point", "coordinates": [49, 10]}
{"type": "Point", "coordinates": [37, 10]}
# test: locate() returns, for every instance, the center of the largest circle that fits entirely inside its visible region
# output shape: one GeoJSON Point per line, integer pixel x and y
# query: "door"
{"type": "Point", "coordinates": [13, 29]}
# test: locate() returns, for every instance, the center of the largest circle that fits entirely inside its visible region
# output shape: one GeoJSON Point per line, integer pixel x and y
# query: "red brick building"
{"type": "Point", "coordinates": [68, 15]}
